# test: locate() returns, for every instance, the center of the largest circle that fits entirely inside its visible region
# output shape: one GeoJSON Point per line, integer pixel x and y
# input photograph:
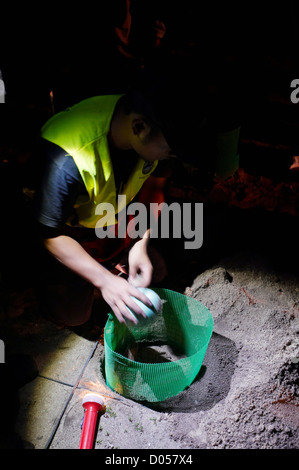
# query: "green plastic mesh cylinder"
{"type": "Point", "coordinates": [185, 325]}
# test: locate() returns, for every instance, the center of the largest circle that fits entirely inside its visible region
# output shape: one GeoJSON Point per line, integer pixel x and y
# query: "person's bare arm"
{"type": "Point", "coordinates": [115, 290]}
{"type": "Point", "coordinates": [140, 266]}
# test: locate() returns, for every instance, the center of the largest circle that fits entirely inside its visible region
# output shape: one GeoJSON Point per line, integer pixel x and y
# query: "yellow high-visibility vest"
{"type": "Point", "coordinates": [82, 131]}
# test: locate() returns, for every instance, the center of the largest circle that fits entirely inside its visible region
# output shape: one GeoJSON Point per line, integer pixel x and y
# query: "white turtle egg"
{"type": "Point", "coordinates": [155, 300]}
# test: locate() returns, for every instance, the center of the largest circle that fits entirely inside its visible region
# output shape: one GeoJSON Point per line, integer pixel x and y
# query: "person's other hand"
{"type": "Point", "coordinates": [140, 266]}
{"type": "Point", "coordinates": [295, 164]}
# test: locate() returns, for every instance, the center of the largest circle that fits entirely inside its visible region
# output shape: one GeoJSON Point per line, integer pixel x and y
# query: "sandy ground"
{"type": "Point", "coordinates": [247, 393]}
{"type": "Point", "coordinates": [250, 393]}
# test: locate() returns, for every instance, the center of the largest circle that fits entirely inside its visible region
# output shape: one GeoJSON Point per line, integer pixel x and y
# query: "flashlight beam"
{"type": "Point", "coordinates": [79, 387]}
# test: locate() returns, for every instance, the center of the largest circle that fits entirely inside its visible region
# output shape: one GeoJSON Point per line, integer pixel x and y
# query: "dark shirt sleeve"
{"type": "Point", "coordinates": [59, 187]}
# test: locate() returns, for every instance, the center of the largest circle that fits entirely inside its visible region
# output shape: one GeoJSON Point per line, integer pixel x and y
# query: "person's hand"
{"type": "Point", "coordinates": [295, 164]}
{"type": "Point", "coordinates": [140, 266]}
{"type": "Point", "coordinates": [117, 292]}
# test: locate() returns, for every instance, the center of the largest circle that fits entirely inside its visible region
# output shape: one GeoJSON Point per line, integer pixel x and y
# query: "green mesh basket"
{"type": "Point", "coordinates": [185, 326]}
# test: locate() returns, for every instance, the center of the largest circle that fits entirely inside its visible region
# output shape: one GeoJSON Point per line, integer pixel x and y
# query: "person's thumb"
{"type": "Point", "coordinates": [133, 275]}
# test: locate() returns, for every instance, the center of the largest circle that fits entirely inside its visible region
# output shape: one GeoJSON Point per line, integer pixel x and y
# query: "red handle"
{"type": "Point", "coordinates": [89, 425]}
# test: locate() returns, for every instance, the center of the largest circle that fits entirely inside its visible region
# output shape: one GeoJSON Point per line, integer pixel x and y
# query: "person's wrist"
{"type": "Point", "coordinates": [102, 279]}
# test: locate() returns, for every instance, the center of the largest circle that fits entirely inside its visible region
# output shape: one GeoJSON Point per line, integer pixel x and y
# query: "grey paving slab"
{"type": "Point", "coordinates": [93, 377]}
{"type": "Point", "coordinates": [40, 404]}
{"type": "Point", "coordinates": [68, 433]}
{"type": "Point", "coordinates": [58, 352]}
{"type": "Point", "coordinates": [60, 355]}
{"type": "Point", "coordinates": [65, 361]}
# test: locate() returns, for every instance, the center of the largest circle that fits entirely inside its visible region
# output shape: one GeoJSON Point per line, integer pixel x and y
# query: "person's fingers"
{"type": "Point", "coordinates": [143, 278]}
{"type": "Point", "coordinates": [123, 315]}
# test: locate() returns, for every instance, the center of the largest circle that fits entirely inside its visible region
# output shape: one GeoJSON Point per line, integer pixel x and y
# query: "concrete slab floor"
{"type": "Point", "coordinates": [49, 409]}
{"type": "Point", "coordinates": [61, 356]}
{"type": "Point", "coordinates": [245, 397]}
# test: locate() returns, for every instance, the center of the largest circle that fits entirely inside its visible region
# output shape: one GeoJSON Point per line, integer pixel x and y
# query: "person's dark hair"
{"type": "Point", "coordinates": [142, 102]}
{"type": "Point", "coordinates": [176, 108]}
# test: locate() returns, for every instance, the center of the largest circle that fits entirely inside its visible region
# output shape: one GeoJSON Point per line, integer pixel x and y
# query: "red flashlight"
{"type": "Point", "coordinates": [93, 405]}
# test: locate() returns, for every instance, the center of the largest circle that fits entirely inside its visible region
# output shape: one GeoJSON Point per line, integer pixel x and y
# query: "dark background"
{"type": "Point", "coordinates": [246, 53]}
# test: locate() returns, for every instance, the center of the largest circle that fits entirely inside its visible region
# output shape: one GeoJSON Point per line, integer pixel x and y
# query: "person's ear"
{"type": "Point", "coordinates": [140, 128]}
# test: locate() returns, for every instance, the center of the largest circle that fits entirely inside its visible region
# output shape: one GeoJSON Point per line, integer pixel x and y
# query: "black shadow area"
{"type": "Point", "coordinates": [212, 383]}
